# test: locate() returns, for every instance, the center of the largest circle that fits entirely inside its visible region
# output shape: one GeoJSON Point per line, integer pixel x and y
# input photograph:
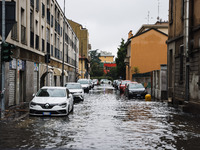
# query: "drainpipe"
{"type": "Point", "coordinates": [187, 48]}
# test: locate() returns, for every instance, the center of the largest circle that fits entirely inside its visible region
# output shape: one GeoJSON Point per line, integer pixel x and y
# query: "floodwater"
{"type": "Point", "coordinates": [106, 120]}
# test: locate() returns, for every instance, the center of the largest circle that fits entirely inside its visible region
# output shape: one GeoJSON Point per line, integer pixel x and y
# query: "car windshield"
{"type": "Point", "coordinates": [51, 93]}
{"type": "Point", "coordinates": [135, 86]}
{"type": "Point", "coordinates": [83, 81]}
{"type": "Point", "coordinates": [73, 86]}
{"type": "Point", "coordinates": [124, 82]}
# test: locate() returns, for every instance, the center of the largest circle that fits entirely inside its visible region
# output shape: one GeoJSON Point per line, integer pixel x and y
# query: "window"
{"type": "Point", "coordinates": [48, 16]}
{"type": "Point", "coordinates": [22, 17]}
{"type": "Point", "coordinates": [51, 20]}
{"type": "Point", "coordinates": [32, 3]}
{"type": "Point", "coordinates": [37, 5]}
{"type": "Point", "coordinates": [43, 10]}
{"type": "Point", "coordinates": [31, 21]}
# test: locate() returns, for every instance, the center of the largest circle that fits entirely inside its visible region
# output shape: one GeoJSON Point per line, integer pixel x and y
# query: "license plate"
{"type": "Point", "coordinates": [138, 95]}
{"type": "Point", "coordinates": [46, 113]}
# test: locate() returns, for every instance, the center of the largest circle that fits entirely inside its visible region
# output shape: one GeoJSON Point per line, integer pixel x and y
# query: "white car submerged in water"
{"type": "Point", "coordinates": [51, 101]}
{"type": "Point", "coordinates": [76, 90]}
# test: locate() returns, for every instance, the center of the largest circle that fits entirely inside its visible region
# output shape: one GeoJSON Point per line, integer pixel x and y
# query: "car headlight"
{"type": "Point", "coordinates": [63, 105]}
{"type": "Point", "coordinates": [33, 104]}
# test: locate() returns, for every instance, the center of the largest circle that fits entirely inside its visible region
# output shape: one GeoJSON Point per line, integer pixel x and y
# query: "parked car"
{"type": "Point", "coordinates": [105, 81]}
{"type": "Point", "coordinates": [76, 90]}
{"type": "Point", "coordinates": [122, 85]}
{"type": "Point", "coordinates": [85, 83]}
{"type": "Point", "coordinates": [136, 90]}
{"type": "Point", "coordinates": [51, 101]}
{"type": "Point", "coordinates": [91, 83]}
{"type": "Point", "coordinates": [117, 84]}
{"type": "Point", "coordinates": [95, 81]}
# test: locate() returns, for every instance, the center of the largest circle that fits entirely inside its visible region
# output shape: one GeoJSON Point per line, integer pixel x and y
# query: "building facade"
{"type": "Point", "coordinates": [84, 47]}
{"type": "Point", "coordinates": [146, 50]}
{"type": "Point", "coordinates": [41, 28]}
{"type": "Point", "coordinates": [107, 61]}
{"type": "Point", "coordinates": [106, 57]}
{"type": "Point", "coordinates": [183, 53]}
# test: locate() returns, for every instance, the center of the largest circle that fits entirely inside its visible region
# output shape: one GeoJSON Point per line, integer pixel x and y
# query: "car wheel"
{"type": "Point", "coordinates": [129, 97]}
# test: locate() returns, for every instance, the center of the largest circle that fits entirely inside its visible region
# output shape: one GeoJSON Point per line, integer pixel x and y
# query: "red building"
{"type": "Point", "coordinates": [108, 66]}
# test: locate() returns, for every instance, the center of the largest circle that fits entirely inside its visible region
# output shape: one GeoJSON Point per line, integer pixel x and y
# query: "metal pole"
{"type": "Point", "coordinates": [62, 82]}
{"type": "Point", "coordinates": [3, 63]}
{"type": "Point", "coordinates": [47, 76]}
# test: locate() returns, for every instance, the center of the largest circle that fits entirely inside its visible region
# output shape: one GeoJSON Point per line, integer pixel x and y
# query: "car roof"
{"type": "Point", "coordinates": [83, 79]}
{"type": "Point", "coordinates": [53, 87]}
{"type": "Point", "coordinates": [72, 83]}
{"type": "Point", "coordinates": [132, 83]}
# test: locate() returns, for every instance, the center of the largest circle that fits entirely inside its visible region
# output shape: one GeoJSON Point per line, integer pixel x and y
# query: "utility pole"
{"type": "Point", "coordinates": [62, 82]}
{"type": "Point", "coordinates": [3, 63]}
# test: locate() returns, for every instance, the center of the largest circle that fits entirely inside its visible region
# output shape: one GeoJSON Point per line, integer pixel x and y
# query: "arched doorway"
{"type": "Point", "coordinates": [42, 79]}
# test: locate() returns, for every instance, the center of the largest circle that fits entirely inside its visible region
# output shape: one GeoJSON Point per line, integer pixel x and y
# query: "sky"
{"type": "Point", "coordinates": [108, 21]}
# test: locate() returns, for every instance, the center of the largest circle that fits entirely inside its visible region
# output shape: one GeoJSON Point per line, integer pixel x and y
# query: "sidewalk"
{"type": "Point", "coordinates": [16, 113]}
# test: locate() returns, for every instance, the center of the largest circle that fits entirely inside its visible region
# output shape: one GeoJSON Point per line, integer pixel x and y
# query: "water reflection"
{"type": "Point", "coordinates": [106, 120]}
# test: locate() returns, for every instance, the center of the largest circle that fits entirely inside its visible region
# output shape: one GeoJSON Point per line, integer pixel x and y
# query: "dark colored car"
{"type": "Point", "coordinates": [136, 90]}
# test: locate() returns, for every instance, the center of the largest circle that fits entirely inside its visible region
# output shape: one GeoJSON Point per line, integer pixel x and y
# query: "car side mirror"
{"type": "Point", "coordinates": [33, 94]}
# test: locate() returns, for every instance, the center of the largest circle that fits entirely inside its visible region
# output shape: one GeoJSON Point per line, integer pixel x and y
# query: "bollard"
{"type": "Point", "coordinates": [147, 97]}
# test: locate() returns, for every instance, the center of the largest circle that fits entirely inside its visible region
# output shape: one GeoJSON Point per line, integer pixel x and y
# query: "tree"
{"type": "Point", "coordinates": [96, 69]}
{"type": "Point", "coordinates": [121, 55]}
{"type": "Point", "coordinates": [113, 73]}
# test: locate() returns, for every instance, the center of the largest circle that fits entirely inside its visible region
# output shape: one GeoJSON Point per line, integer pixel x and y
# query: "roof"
{"type": "Point", "coordinates": [104, 53]}
{"type": "Point", "coordinates": [148, 31]}
{"type": "Point", "coordinates": [158, 25]}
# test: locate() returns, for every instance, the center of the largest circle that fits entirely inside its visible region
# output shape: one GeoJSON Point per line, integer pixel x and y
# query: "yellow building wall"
{"type": "Point", "coordinates": [82, 69]}
{"type": "Point", "coordinates": [148, 51]}
{"type": "Point", "coordinates": [106, 59]}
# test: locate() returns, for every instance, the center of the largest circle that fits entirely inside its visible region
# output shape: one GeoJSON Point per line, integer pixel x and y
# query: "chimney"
{"type": "Point", "coordinates": [130, 34]}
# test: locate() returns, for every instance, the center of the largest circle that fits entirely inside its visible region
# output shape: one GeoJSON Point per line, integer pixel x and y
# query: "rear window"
{"type": "Point", "coordinates": [135, 86]}
{"type": "Point", "coordinates": [83, 81]}
{"type": "Point", "coordinates": [73, 86]}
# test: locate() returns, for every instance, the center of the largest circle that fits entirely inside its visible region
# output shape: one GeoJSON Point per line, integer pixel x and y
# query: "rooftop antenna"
{"type": "Point", "coordinates": [148, 17]}
{"type": "Point", "coordinates": [158, 18]}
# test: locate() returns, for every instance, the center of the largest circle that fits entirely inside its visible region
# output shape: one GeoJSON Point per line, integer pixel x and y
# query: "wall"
{"type": "Point", "coordinates": [148, 51]}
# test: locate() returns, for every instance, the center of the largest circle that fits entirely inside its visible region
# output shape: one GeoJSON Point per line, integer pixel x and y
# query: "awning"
{"type": "Point", "coordinates": [57, 72]}
{"type": "Point", "coordinates": [65, 73]}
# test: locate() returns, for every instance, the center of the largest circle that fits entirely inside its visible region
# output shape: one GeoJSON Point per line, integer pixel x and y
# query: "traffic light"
{"type": "Point", "coordinates": [47, 58]}
{"type": "Point", "coordinates": [6, 51]}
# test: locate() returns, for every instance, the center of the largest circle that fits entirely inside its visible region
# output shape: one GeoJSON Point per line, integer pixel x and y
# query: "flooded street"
{"type": "Point", "coordinates": [106, 120]}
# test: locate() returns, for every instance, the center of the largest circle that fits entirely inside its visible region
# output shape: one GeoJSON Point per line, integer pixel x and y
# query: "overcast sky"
{"type": "Point", "coordinates": [108, 21]}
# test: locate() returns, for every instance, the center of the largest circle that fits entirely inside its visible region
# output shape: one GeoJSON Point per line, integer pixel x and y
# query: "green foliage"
{"type": "Point", "coordinates": [96, 69]}
{"type": "Point", "coordinates": [113, 73]}
{"type": "Point", "coordinates": [136, 70]}
{"type": "Point", "coordinates": [121, 55]}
